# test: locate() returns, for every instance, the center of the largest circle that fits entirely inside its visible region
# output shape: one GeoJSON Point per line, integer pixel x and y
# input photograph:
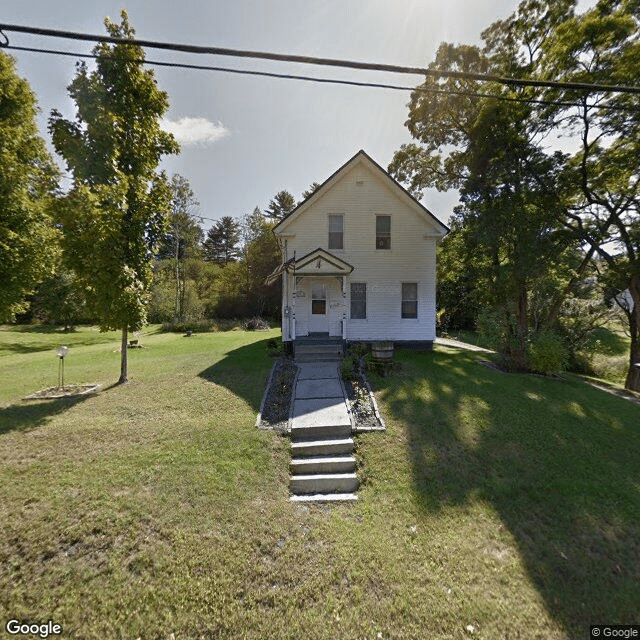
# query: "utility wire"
{"type": "Point", "coordinates": [349, 64]}
{"type": "Point", "coordinates": [375, 85]}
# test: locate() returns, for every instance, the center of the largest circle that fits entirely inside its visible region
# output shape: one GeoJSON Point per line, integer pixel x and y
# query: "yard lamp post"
{"type": "Point", "coordinates": [62, 352]}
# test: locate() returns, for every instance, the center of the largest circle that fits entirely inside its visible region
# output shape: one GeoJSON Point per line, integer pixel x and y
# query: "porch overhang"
{"type": "Point", "coordinates": [321, 262]}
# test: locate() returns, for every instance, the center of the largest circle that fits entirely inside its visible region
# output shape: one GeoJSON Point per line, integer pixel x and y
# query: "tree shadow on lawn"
{"type": "Point", "coordinates": [556, 459]}
{"type": "Point", "coordinates": [35, 413]}
{"type": "Point", "coordinates": [243, 371]}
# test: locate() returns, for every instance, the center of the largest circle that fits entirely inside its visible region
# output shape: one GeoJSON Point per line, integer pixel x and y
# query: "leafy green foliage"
{"type": "Point", "coordinates": [528, 208]}
{"type": "Point", "coordinates": [28, 239]}
{"type": "Point", "coordinates": [114, 217]}
{"type": "Point", "coordinates": [547, 353]}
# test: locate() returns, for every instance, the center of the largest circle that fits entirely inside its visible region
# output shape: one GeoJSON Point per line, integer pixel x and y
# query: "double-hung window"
{"type": "Point", "coordinates": [358, 300]}
{"type": "Point", "coordinates": [383, 232]}
{"type": "Point", "coordinates": [409, 299]}
{"type": "Point", "coordinates": [336, 232]}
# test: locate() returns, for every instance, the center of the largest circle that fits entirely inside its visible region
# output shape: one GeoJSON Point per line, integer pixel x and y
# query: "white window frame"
{"type": "Point", "coordinates": [380, 248]}
{"type": "Point", "coordinates": [351, 301]}
{"type": "Point", "coordinates": [339, 216]}
{"type": "Point", "coordinates": [404, 300]}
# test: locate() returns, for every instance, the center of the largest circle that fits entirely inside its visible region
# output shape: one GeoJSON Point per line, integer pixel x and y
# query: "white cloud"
{"type": "Point", "coordinates": [191, 131]}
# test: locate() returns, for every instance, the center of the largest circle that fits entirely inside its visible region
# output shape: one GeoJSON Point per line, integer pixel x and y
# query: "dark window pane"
{"type": "Point", "coordinates": [358, 300]}
{"type": "Point", "coordinates": [383, 224]}
{"type": "Point", "coordinates": [358, 310]}
{"type": "Point", "coordinates": [335, 240]}
{"type": "Point", "coordinates": [318, 291]}
{"type": "Point", "coordinates": [383, 243]}
{"type": "Point", "coordinates": [335, 232]}
{"type": "Point", "coordinates": [409, 299]}
{"type": "Point", "coordinates": [409, 308]}
{"type": "Point", "coordinates": [383, 232]}
{"type": "Point", "coordinates": [409, 290]}
{"type": "Point", "coordinates": [318, 307]}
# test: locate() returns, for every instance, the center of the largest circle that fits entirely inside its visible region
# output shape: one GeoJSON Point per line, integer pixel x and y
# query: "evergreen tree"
{"type": "Point", "coordinates": [221, 244]}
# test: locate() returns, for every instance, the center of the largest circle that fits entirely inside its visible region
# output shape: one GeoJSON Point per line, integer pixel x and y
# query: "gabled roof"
{"type": "Point", "coordinates": [318, 262]}
{"type": "Point", "coordinates": [361, 156]}
{"type": "Point", "coordinates": [321, 262]}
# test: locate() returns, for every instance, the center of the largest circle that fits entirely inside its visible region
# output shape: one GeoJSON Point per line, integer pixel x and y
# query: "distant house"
{"type": "Point", "coordinates": [359, 261]}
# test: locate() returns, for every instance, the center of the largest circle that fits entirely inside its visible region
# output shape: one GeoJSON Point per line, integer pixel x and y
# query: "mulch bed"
{"type": "Point", "coordinates": [277, 402]}
{"type": "Point", "coordinates": [279, 395]}
{"type": "Point", "coordinates": [68, 391]}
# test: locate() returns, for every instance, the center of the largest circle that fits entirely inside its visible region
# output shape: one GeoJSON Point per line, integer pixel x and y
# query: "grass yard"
{"type": "Point", "coordinates": [506, 503]}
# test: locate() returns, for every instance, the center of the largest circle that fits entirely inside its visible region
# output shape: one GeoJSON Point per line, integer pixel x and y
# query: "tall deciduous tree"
{"type": "Point", "coordinates": [182, 239]}
{"type": "Point", "coordinates": [116, 212]}
{"type": "Point", "coordinates": [593, 190]}
{"type": "Point", "coordinates": [28, 240]}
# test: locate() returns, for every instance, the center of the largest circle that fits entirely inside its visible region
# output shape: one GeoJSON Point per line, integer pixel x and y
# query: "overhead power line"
{"type": "Point", "coordinates": [354, 83]}
{"type": "Point", "coordinates": [332, 62]}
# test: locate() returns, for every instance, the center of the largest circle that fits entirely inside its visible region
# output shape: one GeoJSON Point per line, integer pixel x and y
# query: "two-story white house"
{"type": "Point", "coordinates": [359, 261]}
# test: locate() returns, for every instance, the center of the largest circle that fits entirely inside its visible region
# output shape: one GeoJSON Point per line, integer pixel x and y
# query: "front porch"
{"type": "Point", "coordinates": [315, 300]}
{"type": "Point", "coordinates": [318, 347]}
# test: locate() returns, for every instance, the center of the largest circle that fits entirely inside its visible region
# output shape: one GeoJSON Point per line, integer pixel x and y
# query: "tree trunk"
{"type": "Point", "coordinates": [519, 349]}
{"type": "Point", "coordinates": [123, 356]}
{"type": "Point", "coordinates": [633, 375]}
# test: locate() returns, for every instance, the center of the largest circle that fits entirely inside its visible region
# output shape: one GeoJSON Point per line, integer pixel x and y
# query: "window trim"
{"type": "Point", "coordinates": [404, 314]}
{"type": "Point", "coordinates": [329, 232]}
{"type": "Point", "coordinates": [383, 234]}
{"type": "Point", "coordinates": [351, 317]}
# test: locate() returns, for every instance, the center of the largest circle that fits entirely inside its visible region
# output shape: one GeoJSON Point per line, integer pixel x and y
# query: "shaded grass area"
{"type": "Point", "coordinates": [556, 463]}
{"type": "Point", "coordinates": [156, 507]}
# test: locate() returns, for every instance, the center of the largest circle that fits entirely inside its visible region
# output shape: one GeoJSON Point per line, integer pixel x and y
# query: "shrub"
{"type": "Point", "coordinates": [195, 326]}
{"type": "Point", "coordinates": [346, 368]}
{"type": "Point", "coordinates": [547, 353]}
{"type": "Point", "coordinates": [255, 324]}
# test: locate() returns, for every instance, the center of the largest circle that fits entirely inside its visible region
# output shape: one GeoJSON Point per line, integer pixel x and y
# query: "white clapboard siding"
{"type": "Point", "coordinates": [360, 193]}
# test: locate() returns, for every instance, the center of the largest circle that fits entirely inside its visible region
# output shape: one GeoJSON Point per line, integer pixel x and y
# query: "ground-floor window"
{"type": "Point", "coordinates": [409, 299]}
{"type": "Point", "coordinates": [358, 300]}
{"type": "Point", "coordinates": [318, 299]}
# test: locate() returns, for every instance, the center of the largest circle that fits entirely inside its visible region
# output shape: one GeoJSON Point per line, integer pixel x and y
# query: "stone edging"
{"type": "Point", "coordinates": [293, 398]}
{"type": "Point", "coordinates": [264, 396]}
{"type": "Point", "coordinates": [372, 399]}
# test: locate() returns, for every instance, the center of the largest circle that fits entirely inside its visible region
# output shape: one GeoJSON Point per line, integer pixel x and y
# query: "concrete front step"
{"type": "Point", "coordinates": [320, 432]}
{"type": "Point", "coordinates": [325, 497]}
{"type": "Point", "coordinates": [329, 447]}
{"type": "Point", "coordinates": [323, 483]}
{"type": "Point", "coordinates": [323, 465]}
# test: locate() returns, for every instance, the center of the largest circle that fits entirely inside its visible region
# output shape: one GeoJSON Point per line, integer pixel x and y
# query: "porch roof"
{"type": "Point", "coordinates": [321, 262]}
{"type": "Point", "coordinates": [318, 262]}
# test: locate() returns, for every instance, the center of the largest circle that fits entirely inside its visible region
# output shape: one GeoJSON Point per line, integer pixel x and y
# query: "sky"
{"type": "Point", "coordinates": [246, 138]}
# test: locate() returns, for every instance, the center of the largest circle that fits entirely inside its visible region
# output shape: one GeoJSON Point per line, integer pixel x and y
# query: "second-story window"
{"type": "Point", "coordinates": [383, 232]}
{"type": "Point", "coordinates": [336, 235]}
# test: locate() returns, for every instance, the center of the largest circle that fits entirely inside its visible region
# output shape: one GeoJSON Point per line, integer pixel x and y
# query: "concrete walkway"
{"type": "Point", "coordinates": [323, 467]}
{"type": "Point", "coordinates": [450, 342]}
{"type": "Point", "coordinates": [319, 397]}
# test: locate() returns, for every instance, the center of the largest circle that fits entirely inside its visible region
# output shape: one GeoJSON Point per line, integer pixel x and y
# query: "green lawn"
{"type": "Point", "coordinates": [507, 502]}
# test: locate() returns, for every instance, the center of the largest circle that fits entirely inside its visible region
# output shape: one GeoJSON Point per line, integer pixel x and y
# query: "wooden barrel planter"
{"type": "Point", "coordinates": [382, 356]}
{"type": "Point", "coordinates": [382, 351]}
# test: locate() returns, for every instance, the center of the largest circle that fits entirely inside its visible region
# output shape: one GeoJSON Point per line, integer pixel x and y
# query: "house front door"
{"type": "Point", "coordinates": [318, 316]}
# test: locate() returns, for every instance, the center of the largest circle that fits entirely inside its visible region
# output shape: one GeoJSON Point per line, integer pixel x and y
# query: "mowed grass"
{"type": "Point", "coordinates": [509, 503]}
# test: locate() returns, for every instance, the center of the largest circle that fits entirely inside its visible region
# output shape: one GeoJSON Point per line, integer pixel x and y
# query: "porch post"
{"type": "Point", "coordinates": [344, 308]}
{"type": "Point", "coordinates": [293, 302]}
